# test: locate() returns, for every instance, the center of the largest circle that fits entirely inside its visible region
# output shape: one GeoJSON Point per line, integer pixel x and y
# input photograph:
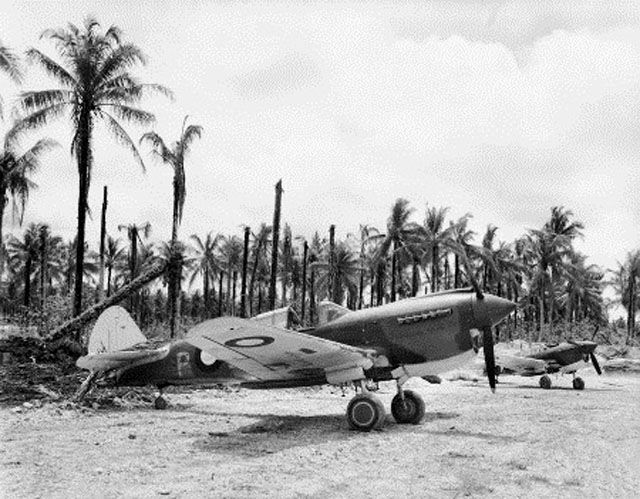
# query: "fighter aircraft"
{"type": "Point", "coordinates": [566, 357]}
{"type": "Point", "coordinates": [418, 337]}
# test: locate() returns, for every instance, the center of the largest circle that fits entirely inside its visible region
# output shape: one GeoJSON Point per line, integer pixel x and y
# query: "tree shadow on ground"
{"type": "Point", "coordinates": [273, 433]}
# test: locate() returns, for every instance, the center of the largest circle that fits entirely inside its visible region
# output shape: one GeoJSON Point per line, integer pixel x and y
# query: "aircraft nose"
{"type": "Point", "coordinates": [490, 310]}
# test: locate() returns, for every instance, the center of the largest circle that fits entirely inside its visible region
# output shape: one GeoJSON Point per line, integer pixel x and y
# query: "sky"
{"type": "Point", "coordinates": [499, 109]}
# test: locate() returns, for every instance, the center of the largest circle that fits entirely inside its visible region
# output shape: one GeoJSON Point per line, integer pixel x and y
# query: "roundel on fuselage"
{"type": "Point", "coordinates": [205, 361]}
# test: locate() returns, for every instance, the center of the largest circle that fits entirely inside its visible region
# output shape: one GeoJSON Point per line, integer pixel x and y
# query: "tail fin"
{"type": "Point", "coordinates": [329, 311]}
{"type": "Point", "coordinates": [114, 330]}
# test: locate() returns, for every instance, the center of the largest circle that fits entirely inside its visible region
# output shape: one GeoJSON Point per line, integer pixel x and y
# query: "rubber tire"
{"type": "Point", "coordinates": [578, 383]}
{"type": "Point", "coordinates": [545, 382]}
{"type": "Point", "coordinates": [411, 411]}
{"type": "Point", "coordinates": [160, 403]}
{"type": "Point", "coordinates": [365, 412]}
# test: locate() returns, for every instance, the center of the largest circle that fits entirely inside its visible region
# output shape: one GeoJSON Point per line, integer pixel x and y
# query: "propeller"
{"type": "Point", "coordinates": [594, 361]}
{"type": "Point", "coordinates": [487, 331]}
{"type": "Point", "coordinates": [489, 357]}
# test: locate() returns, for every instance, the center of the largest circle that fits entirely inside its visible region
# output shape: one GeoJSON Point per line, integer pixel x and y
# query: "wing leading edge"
{"type": "Point", "coordinates": [274, 354]}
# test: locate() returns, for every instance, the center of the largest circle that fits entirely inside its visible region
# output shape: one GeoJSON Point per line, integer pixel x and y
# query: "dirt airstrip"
{"type": "Point", "coordinates": [519, 442]}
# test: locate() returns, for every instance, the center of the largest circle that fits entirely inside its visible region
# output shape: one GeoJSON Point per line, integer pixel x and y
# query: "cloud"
{"type": "Point", "coordinates": [291, 73]}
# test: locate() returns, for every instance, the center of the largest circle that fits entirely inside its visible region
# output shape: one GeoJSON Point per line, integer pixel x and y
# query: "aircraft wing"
{"type": "Point", "coordinates": [107, 361]}
{"type": "Point", "coordinates": [271, 354]}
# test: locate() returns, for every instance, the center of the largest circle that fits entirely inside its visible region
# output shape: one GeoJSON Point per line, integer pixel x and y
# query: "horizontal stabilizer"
{"type": "Point", "coordinates": [115, 360]}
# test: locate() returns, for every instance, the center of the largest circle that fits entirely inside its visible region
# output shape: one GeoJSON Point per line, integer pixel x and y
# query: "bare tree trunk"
{"type": "Point", "coordinates": [332, 252]}
{"type": "Point", "coordinates": [304, 281]}
{"type": "Point", "coordinates": [245, 261]}
{"type": "Point", "coordinates": [274, 252]}
{"type": "Point", "coordinates": [103, 233]}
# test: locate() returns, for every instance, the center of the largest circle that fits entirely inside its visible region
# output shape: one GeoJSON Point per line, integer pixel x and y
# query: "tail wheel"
{"type": "Point", "coordinates": [160, 403]}
{"type": "Point", "coordinates": [365, 412]}
{"type": "Point", "coordinates": [578, 383]}
{"type": "Point", "coordinates": [409, 409]}
{"type": "Point", "coordinates": [545, 382]}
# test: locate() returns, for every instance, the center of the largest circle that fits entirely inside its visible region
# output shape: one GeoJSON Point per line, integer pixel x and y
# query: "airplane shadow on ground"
{"type": "Point", "coordinates": [514, 385]}
{"type": "Point", "coordinates": [273, 433]}
{"type": "Point", "coordinates": [556, 387]}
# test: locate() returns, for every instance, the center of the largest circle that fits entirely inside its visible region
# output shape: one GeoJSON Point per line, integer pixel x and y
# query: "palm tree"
{"type": "Point", "coordinates": [174, 156]}
{"type": "Point", "coordinates": [96, 86]}
{"type": "Point", "coordinates": [15, 183]}
{"type": "Point", "coordinates": [345, 275]}
{"type": "Point", "coordinates": [583, 295]}
{"type": "Point", "coordinates": [9, 64]}
{"type": "Point", "coordinates": [400, 232]}
{"type": "Point", "coordinates": [48, 245]}
{"type": "Point", "coordinates": [286, 262]}
{"type": "Point", "coordinates": [133, 234]}
{"type": "Point", "coordinates": [625, 285]}
{"type": "Point", "coordinates": [114, 254]}
{"type": "Point", "coordinates": [25, 253]}
{"type": "Point", "coordinates": [458, 238]}
{"type": "Point", "coordinates": [231, 252]}
{"type": "Point", "coordinates": [435, 237]}
{"type": "Point", "coordinates": [206, 264]}
{"type": "Point", "coordinates": [259, 248]}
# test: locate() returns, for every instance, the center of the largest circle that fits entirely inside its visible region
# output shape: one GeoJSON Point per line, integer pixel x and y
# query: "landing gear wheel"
{"type": "Point", "coordinates": [408, 411]}
{"type": "Point", "coordinates": [160, 403]}
{"type": "Point", "coordinates": [365, 412]}
{"type": "Point", "coordinates": [578, 383]}
{"type": "Point", "coordinates": [545, 382]}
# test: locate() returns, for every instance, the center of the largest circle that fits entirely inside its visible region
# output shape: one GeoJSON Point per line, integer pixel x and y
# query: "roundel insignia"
{"type": "Point", "coordinates": [249, 341]}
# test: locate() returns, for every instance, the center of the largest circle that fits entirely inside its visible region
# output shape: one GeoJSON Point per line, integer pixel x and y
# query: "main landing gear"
{"type": "Point", "coordinates": [365, 411]}
{"type": "Point", "coordinates": [578, 382]}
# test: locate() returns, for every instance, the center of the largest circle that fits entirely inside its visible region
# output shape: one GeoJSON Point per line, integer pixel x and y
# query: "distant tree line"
{"type": "Point", "coordinates": [44, 279]}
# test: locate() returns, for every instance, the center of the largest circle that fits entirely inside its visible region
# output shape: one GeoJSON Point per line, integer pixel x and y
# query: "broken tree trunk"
{"type": "Point", "coordinates": [90, 314]}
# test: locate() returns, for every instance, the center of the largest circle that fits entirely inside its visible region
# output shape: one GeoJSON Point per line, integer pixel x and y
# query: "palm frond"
{"type": "Point", "coordinates": [158, 147]}
{"type": "Point", "coordinates": [51, 67]}
{"type": "Point", "coordinates": [121, 58]}
{"type": "Point", "coordinates": [123, 137]}
{"type": "Point", "coordinates": [131, 114]}
{"type": "Point", "coordinates": [37, 119]}
{"type": "Point", "coordinates": [39, 99]}
{"type": "Point", "coordinates": [10, 64]}
{"type": "Point", "coordinates": [190, 134]}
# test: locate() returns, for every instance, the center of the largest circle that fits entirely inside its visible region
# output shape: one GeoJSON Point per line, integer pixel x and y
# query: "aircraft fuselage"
{"type": "Point", "coordinates": [412, 337]}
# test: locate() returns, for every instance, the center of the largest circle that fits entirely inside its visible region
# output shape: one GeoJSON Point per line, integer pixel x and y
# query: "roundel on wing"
{"type": "Point", "coordinates": [249, 341]}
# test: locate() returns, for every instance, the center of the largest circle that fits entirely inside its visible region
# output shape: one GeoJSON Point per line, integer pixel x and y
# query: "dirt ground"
{"type": "Point", "coordinates": [521, 441]}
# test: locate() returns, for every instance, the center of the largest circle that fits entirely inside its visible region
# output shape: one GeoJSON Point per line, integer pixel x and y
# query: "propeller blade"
{"type": "Point", "coordinates": [489, 357]}
{"type": "Point", "coordinates": [594, 361]}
